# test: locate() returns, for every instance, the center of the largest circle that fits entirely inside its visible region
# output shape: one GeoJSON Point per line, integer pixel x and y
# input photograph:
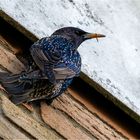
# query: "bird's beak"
{"type": "Point", "coordinates": [93, 35]}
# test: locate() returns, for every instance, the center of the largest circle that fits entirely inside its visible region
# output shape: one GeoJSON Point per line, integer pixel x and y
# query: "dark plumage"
{"type": "Point", "coordinates": [55, 62]}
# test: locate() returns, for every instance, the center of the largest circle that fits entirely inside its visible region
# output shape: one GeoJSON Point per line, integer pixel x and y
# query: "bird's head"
{"type": "Point", "coordinates": [76, 35]}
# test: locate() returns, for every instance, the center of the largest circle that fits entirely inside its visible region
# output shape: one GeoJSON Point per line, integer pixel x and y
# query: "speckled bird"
{"type": "Point", "coordinates": [54, 63]}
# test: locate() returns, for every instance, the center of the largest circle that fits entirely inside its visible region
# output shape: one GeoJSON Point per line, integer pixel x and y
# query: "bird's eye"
{"type": "Point", "coordinates": [77, 32]}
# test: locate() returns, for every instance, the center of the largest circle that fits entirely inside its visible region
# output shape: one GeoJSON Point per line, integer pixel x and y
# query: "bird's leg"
{"type": "Point", "coordinates": [49, 101]}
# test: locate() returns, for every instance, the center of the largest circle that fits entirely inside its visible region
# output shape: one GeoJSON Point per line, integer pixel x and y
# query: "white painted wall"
{"type": "Point", "coordinates": [113, 62]}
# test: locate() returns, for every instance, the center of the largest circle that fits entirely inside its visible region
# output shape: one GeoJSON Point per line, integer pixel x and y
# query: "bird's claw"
{"type": "Point", "coordinates": [49, 102]}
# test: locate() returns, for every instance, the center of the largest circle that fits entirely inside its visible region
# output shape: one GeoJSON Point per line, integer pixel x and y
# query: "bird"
{"type": "Point", "coordinates": [53, 64]}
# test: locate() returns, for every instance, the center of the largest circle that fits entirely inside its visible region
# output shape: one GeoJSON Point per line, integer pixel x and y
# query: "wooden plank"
{"type": "Point", "coordinates": [62, 124]}
{"type": "Point", "coordinates": [88, 120]}
{"type": "Point", "coordinates": [8, 60]}
{"type": "Point", "coordinates": [8, 131]}
{"type": "Point", "coordinates": [98, 106]}
{"type": "Point", "coordinates": [28, 124]}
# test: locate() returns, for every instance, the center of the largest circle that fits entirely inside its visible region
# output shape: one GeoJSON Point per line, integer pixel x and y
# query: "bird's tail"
{"type": "Point", "coordinates": [17, 90]}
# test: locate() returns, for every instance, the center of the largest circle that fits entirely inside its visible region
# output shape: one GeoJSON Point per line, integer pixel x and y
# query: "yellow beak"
{"type": "Point", "coordinates": [94, 35]}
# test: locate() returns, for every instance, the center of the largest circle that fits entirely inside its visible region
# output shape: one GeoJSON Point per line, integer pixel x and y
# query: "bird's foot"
{"type": "Point", "coordinates": [49, 102]}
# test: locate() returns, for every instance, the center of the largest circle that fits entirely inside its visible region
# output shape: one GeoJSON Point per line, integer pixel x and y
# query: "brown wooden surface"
{"type": "Point", "coordinates": [69, 117]}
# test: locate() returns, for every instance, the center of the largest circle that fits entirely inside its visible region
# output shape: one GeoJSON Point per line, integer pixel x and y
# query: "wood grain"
{"type": "Point", "coordinates": [27, 123]}
{"type": "Point", "coordinates": [63, 125]}
{"type": "Point", "coordinates": [7, 59]}
{"type": "Point", "coordinates": [9, 131]}
{"type": "Point", "coordinates": [84, 119]}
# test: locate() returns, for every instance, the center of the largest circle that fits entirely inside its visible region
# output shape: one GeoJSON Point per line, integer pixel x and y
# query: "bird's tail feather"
{"type": "Point", "coordinates": [18, 99]}
{"type": "Point", "coordinates": [18, 91]}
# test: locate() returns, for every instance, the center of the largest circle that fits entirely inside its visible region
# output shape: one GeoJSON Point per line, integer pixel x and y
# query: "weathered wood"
{"type": "Point", "coordinates": [8, 131]}
{"type": "Point", "coordinates": [27, 123]}
{"type": "Point", "coordinates": [91, 104]}
{"type": "Point", "coordinates": [8, 60]}
{"type": "Point", "coordinates": [84, 118]}
{"type": "Point", "coordinates": [65, 126]}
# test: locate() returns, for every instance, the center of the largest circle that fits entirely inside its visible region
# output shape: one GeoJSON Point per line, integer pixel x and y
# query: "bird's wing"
{"type": "Point", "coordinates": [38, 54]}
{"type": "Point", "coordinates": [72, 69]}
{"type": "Point", "coordinates": [46, 53]}
{"type": "Point", "coordinates": [70, 66]}
{"type": "Point", "coordinates": [64, 73]}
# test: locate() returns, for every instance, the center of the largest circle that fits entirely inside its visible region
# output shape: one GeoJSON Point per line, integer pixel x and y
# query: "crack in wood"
{"type": "Point", "coordinates": [97, 116]}
{"type": "Point", "coordinates": [75, 123]}
{"type": "Point", "coordinates": [85, 130]}
{"type": "Point", "coordinates": [16, 115]}
{"type": "Point", "coordinates": [16, 126]}
{"type": "Point", "coordinates": [71, 105]}
{"type": "Point", "coordinates": [38, 117]}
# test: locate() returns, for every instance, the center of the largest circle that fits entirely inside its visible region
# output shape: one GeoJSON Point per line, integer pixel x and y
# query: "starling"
{"type": "Point", "coordinates": [54, 63]}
